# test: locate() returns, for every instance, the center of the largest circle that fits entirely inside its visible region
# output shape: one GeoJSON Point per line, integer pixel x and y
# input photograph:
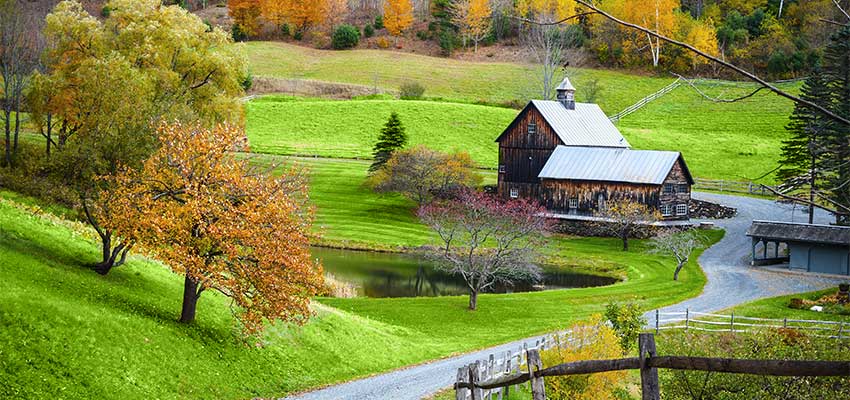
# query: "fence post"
{"type": "Point", "coordinates": [462, 374]}
{"type": "Point", "coordinates": [732, 322]}
{"type": "Point", "coordinates": [491, 369]}
{"type": "Point", "coordinates": [687, 318]}
{"type": "Point", "coordinates": [656, 320]}
{"type": "Point", "coordinates": [840, 329]}
{"type": "Point", "coordinates": [785, 322]}
{"type": "Point", "coordinates": [477, 394]}
{"type": "Point", "coordinates": [538, 389]}
{"type": "Point", "coordinates": [650, 389]}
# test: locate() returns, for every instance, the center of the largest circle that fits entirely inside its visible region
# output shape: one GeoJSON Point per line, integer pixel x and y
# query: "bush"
{"type": "Point", "coordinates": [591, 340]}
{"type": "Point", "coordinates": [238, 34]}
{"type": "Point", "coordinates": [247, 81]}
{"type": "Point", "coordinates": [345, 37]}
{"type": "Point", "coordinates": [379, 22]}
{"type": "Point", "coordinates": [298, 35]}
{"type": "Point", "coordinates": [285, 30]}
{"type": "Point", "coordinates": [411, 91]}
{"type": "Point", "coordinates": [447, 43]}
{"type": "Point", "coordinates": [368, 31]}
{"type": "Point", "coordinates": [383, 42]}
{"type": "Point", "coordinates": [627, 322]}
{"type": "Point", "coordinates": [105, 11]}
{"type": "Point", "coordinates": [422, 35]}
{"type": "Point", "coordinates": [320, 40]}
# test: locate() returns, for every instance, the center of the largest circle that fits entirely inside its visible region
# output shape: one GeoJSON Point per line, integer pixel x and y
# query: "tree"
{"type": "Point", "coordinates": [623, 216]}
{"type": "Point", "coordinates": [485, 241]}
{"type": "Point", "coordinates": [18, 58]}
{"type": "Point", "coordinates": [656, 14]}
{"type": "Point", "coordinates": [245, 15]}
{"type": "Point", "coordinates": [398, 15]}
{"type": "Point", "coordinates": [162, 57]}
{"type": "Point", "coordinates": [421, 174]}
{"type": "Point", "coordinates": [836, 71]}
{"type": "Point", "coordinates": [473, 19]}
{"type": "Point", "coordinates": [677, 245]}
{"type": "Point", "coordinates": [548, 42]}
{"type": "Point", "coordinates": [803, 153]}
{"type": "Point", "coordinates": [222, 224]}
{"type": "Point", "coordinates": [391, 138]}
{"type": "Point", "coordinates": [301, 14]}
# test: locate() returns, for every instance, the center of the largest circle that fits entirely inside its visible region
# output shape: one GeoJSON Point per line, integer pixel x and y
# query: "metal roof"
{"type": "Point", "coordinates": [566, 85]}
{"type": "Point", "coordinates": [797, 232]}
{"type": "Point", "coordinates": [587, 125]}
{"type": "Point", "coordinates": [609, 164]}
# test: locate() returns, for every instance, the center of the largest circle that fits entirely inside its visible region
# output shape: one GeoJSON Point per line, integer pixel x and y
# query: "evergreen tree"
{"type": "Point", "coordinates": [392, 138]}
{"type": "Point", "coordinates": [802, 154]}
{"type": "Point", "coordinates": [836, 70]}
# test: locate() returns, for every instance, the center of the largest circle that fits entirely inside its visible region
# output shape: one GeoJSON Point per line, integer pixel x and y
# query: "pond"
{"type": "Point", "coordinates": [400, 275]}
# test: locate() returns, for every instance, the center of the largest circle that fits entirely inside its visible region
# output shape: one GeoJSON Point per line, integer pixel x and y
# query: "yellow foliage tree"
{"type": "Point", "coordinates": [301, 14]}
{"type": "Point", "coordinates": [703, 36]}
{"type": "Point", "coordinates": [657, 15]}
{"type": "Point", "coordinates": [245, 14]}
{"type": "Point", "coordinates": [398, 15]}
{"type": "Point", "coordinates": [547, 10]}
{"type": "Point", "coordinates": [473, 18]}
{"type": "Point", "coordinates": [591, 340]}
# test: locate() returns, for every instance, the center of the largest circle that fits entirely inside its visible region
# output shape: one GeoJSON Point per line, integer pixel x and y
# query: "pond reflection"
{"type": "Point", "coordinates": [401, 275]}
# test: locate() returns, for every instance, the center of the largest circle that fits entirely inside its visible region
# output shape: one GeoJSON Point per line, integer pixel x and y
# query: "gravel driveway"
{"type": "Point", "coordinates": [731, 281]}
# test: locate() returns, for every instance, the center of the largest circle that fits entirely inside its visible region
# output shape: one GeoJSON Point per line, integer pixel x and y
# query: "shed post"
{"type": "Point", "coordinates": [650, 389]}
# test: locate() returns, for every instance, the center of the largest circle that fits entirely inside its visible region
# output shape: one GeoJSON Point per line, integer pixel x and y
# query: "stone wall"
{"type": "Point", "coordinates": [706, 209]}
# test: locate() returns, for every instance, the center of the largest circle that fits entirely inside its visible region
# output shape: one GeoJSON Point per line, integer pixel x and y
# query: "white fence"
{"type": "Point", "coordinates": [738, 323]}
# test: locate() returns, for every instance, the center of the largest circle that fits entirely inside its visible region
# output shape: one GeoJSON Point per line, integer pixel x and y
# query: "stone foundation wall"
{"type": "Point", "coordinates": [706, 209]}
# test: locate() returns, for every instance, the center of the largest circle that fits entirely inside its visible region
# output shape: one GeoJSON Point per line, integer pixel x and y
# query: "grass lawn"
{"type": "Point", "coordinates": [777, 307]}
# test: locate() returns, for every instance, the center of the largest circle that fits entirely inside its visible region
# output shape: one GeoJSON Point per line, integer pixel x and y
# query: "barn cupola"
{"type": "Point", "coordinates": [566, 94]}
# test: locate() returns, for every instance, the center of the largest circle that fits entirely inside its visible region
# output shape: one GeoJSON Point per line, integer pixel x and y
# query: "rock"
{"type": "Point", "coordinates": [817, 308]}
{"type": "Point", "coordinates": [707, 209]}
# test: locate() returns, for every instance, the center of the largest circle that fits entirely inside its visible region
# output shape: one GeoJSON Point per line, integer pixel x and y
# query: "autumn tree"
{"type": "Point", "coordinates": [391, 139]}
{"type": "Point", "coordinates": [548, 42]}
{"type": "Point", "coordinates": [473, 19]}
{"type": "Point", "coordinates": [246, 14]}
{"type": "Point", "coordinates": [678, 245]}
{"type": "Point", "coordinates": [657, 15]}
{"type": "Point", "coordinates": [622, 217]}
{"type": "Point", "coordinates": [18, 59]}
{"type": "Point", "coordinates": [421, 174]}
{"type": "Point", "coordinates": [398, 15]}
{"type": "Point", "coordinates": [222, 224]}
{"type": "Point", "coordinates": [486, 241]}
{"type": "Point", "coordinates": [162, 57]}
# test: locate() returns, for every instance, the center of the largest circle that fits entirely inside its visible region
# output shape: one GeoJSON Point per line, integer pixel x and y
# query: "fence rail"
{"type": "Point", "coordinates": [733, 186]}
{"type": "Point", "coordinates": [644, 101]}
{"type": "Point", "coordinates": [709, 322]}
{"type": "Point", "coordinates": [469, 384]}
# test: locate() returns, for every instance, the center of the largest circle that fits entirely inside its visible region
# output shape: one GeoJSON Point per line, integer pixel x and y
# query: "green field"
{"type": "Point", "coordinates": [735, 141]}
{"type": "Point", "coordinates": [70, 333]}
{"type": "Point", "coordinates": [777, 308]}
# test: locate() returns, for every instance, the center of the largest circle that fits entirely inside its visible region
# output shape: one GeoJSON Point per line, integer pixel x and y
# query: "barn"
{"type": "Point", "coordinates": [571, 158]}
{"type": "Point", "coordinates": [802, 247]}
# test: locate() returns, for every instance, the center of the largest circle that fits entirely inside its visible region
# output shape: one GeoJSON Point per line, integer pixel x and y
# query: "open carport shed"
{"type": "Point", "coordinates": [812, 248]}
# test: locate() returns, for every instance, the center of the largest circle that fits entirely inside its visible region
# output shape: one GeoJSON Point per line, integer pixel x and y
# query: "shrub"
{"type": "Point", "coordinates": [383, 42]}
{"type": "Point", "coordinates": [368, 31]}
{"type": "Point", "coordinates": [422, 35]}
{"type": "Point", "coordinates": [320, 40]}
{"type": "Point", "coordinates": [379, 22]}
{"type": "Point", "coordinates": [411, 91]}
{"type": "Point", "coordinates": [345, 37]}
{"type": "Point", "coordinates": [447, 43]}
{"type": "Point", "coordinates": [105, 11]}
{"type": "Point", "coordinates": [298, 35]}
{"type": "Point", "coordinates": [247, 81]}
{"type": "Point", "coordinates": [591, 340]}
{"type": "Point", "coordinates": [285, 30]}
{"type": "Point", "coordinates": [238, 33]}
{"type": "Point", "coordinates": [627, 322]}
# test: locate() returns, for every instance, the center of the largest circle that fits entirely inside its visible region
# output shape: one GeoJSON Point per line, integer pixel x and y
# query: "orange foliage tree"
{"type": "Point", "coordinates": [245, 14]}
{"type": "Point", "coordinates": [223, 224]}
{"type": "Point", "coordinates": [398, 15]}
{"type": "Point", "coordinates": [301, 14]}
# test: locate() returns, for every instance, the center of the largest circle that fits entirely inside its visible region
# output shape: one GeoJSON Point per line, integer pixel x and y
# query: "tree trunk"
{"type": "Point", "coordinates": [190, 300]}
{"type": "Point", "coordinates": [7, 157]}
{"type": "Point", "coordinates": [678, 269]}
{"type": "Point", "coordinates": [625, 237]}
{"type": "Point", "coordinates": [111, 257]}
{"type": "Point", "coordinates": [473, 300]}
{"type": "Point", "coordinates": [17, 129]}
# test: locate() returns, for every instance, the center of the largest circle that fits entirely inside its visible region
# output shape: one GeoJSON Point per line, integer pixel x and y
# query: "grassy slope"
{"type": "Point", "coordinates": [734, 141]}
{"type": "Point", "coordinates": [68, 331]}
{"type": "Point", "coordinates": [777, 307]}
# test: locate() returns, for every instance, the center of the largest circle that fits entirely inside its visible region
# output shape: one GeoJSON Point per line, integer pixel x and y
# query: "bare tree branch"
{"type": "Point", "coordinates": [731, 66]}
{"type": "Point", "coordinates": [717, 99]}
{"type": "Point", "coordinates": [841, 9]}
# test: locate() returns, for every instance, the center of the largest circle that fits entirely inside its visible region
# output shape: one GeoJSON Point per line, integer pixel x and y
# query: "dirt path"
{"type": "Point", "coordinates": [731, 281]}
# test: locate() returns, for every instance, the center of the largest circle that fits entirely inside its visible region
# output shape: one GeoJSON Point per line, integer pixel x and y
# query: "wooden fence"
{"type": "Point", "coordinates": [738, 323]}
{"type": "Point", "coordinates": [733, 186]}
{"type": "Point", "coordinates": [644, 101]}
{"type": "Point", "coordinates": [470, 385]}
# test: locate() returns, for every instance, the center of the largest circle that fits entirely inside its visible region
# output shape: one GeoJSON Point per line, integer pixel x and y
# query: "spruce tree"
{"type": "Point", "coordinates": [392, 138]}
{"type": "Point", "coordinates": [803, 153]}
{"type": "Point", "coordinates": [836, 71]}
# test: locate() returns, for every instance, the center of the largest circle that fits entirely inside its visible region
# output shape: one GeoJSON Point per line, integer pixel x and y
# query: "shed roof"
{"type": "Point", "coordinates": [798, 232]}
{"type": "Point", "coordinates": [566, 85]}
{"type": "Point", "coordinates": [610, 164]}
{"type": "Point", "coordinates": [587, 125]}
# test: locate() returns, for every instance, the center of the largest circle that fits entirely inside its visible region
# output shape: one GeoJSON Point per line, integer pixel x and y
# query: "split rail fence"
{"type": "Point", "coordinates": [470, 385]}
{"type": "Point", "coordinates": [738, 323]}
{"type": "Point", "coordinates": [646, 100]}
{"type": "Point", "coordinates": [733, 186]}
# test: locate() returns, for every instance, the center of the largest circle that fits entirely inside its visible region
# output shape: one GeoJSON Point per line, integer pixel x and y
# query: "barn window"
{"type": "Point", "coordinates": [666, 210]}
{"type": "Point", "coordinates": [669, 188]}
{"type": "Point", "coordinates": [684, 188]}
{"type": "Point", "coordinates": [574, 202]}
{"type": "Point", "coordinates": [681, 209]}
{"type": "Point", "coordinates": [502, 168]}
{"type": "Point", "coordinates": [514, 193]}
{"type": "Point", "coordinates": [532, 128]}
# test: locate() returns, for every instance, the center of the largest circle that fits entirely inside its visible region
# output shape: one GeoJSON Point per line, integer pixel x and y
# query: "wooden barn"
{"type": "Point", "coordinates": [571, 158]}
